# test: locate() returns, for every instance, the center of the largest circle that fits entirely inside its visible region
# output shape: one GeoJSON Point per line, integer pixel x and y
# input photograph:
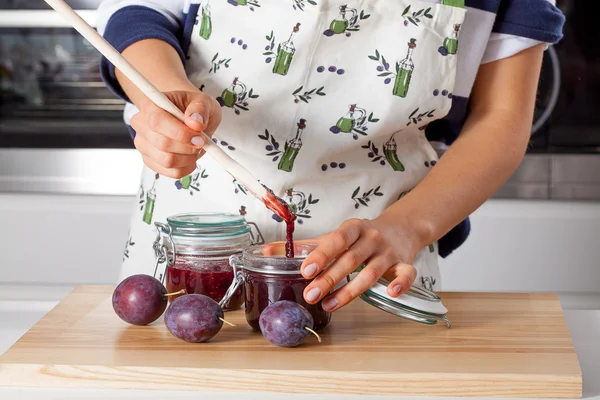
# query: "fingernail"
{"type": "Point", "coordinates": [198, 141]}
{"type": "Point", "coordinates": [396, 289]}
{"type": "Point", "coordinates": [197, 117]}
{"type": "Point", "coordinates": [310, 270]}
{"type": "Point", "coordinates": [313, 294]}
{"type": "Point", "coordinates": [330, 304]}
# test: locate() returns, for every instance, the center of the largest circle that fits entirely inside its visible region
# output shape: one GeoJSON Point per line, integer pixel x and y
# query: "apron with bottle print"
{"type": "Point", "coordinates": [325, 101]}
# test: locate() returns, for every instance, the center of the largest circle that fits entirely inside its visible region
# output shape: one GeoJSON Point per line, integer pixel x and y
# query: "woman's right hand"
{"type": "Point", "coordinates": [171, 147]}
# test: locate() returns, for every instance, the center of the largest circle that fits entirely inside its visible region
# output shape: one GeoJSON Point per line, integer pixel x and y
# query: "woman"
{"type": "Point", "coordinates": [341, 103]}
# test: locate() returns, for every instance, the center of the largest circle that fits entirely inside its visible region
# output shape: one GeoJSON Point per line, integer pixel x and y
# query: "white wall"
{"type": "Point", "coordinates": [514, 245]}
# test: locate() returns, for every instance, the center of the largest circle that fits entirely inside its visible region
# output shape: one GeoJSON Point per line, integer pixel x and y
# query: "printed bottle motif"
{"type": "Point", "coordinates": [236, 96]}
{"type": "Point", "coordinates": [150, 201]}
{"type": "Point", "coordinates": [355, 121]}
{"type": "Point", "coordinates": [404, 71]}
{"type": "Point", "coordinates": [346, 22]}
{"type": "Point", "coordinates": [285, 54]}
{"type": "Point", "coordinates": [191, 183]}
{"type": "Point", "coordinates": [206, 21]}
{"type": "Point", "coordinates": [292, 148]}
{"type": "Point", "coordinates": [454, 3]}
{"type": "Point", "coordinates": [390, 151]}
{"type": "Point", "coordinates": [451, 42]}
{"type": "Point", "coordinates": [299, 204]}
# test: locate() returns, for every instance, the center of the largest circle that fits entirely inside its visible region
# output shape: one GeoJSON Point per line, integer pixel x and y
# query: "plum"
{"type": "Point", "coordinates": [286, 324]}
{"type": "Point", "coordinates": [195, 318]}
{"type": "Point", "coordinates": [139, 299]}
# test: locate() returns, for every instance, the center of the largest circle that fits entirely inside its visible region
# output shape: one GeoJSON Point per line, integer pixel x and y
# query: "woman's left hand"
{"type": "Point", "coordinates": [384, 248]}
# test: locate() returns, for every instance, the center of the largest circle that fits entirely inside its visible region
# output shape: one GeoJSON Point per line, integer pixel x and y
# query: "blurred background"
{"type": "Point", "coordinates": [69, 174]}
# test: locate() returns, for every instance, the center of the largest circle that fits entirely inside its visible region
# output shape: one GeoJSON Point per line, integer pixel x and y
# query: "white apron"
{"type": "Point", "coordinates": [326, 104]}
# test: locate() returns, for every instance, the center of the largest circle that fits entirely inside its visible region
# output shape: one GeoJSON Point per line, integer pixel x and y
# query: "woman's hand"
{"type": "Point", "coordinates": [385, 248]}
{"type": "Point", "coordinates": [171, 147]}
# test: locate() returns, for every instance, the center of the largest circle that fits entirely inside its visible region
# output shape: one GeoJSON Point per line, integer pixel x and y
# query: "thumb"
{"type": "Point", "coordinates": [401, 278]}
{"type": "Point", "coordinates": [196, 115]}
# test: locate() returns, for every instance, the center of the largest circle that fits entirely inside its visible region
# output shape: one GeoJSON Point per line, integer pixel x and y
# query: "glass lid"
{"type": "Point", "coordinates": [417, 304]}
{"type": "Point", "coordinates": [208, 224]}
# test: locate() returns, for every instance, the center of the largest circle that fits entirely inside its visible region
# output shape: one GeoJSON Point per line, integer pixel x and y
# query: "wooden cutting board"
{"type": "Point", "coordinates": [500, 345]}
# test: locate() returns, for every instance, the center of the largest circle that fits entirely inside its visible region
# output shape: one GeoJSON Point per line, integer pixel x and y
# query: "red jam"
{"type": "Point", "coordinates": [198, 275]}
{"type": "Point", "coordinates": [284, 212]}
{"type": "Point", "coordinates": [264, 289]}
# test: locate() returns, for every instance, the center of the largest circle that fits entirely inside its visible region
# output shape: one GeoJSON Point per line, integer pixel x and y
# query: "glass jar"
{"type": "Point", "coordinates": [269, 276]}
{"type": "Point", "coordinates": [197, 248]}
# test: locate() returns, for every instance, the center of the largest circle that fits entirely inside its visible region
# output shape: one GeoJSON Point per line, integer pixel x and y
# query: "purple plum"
{"type": "Point", "coordinates": [140, 299]}
{"type": "Point", "coordinates": [194, 318]}
{"type": "Point", "coordinates": [286, 324]}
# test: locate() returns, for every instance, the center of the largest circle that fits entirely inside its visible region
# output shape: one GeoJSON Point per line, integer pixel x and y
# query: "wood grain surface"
{"type": "Point", "coordinates": [500, 345]}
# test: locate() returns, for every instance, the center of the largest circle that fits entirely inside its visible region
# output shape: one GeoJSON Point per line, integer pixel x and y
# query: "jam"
{"type": "Point", "coordinates": [197, 274]}
{"type": "Point", "coordinates": [263, 289]}
{"type": "Point", "coordinates": [283, 210]}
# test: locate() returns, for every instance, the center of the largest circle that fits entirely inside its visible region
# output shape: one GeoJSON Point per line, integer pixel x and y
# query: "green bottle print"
{"type": "Point", "coordinates": [292, 148]}
{"type": "Point", "coordinates": [285, 54]}
{"type": "Point", "coordinates": [347, 123]}
{"type": "Point", "coordinates": [241, 2]}
{"type": "Point", "coordinates": [390, 150]}
{"type": "Point", "coordinates": [149, 207]}
{"type": "Point", "coordinates": [186, 181]}
{"type": "Point", "coordinates": [341, 22]}
{"type": "Point", "coordinates": [206, 22]}
{"type": "Point", "coordinates": [231, 95]}
{"type": "Point", "coordinates": [454, 3]}
{"type": "Point", "coordinates": [404, 72]}
{"type": "Point", "coordinates": [451, 43]}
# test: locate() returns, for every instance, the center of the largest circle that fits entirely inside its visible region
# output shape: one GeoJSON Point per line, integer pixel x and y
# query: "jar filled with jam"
{"type": "Point", "coordinates": [196, 248]}
{"type": "Point", "coordinates": [267, 276]}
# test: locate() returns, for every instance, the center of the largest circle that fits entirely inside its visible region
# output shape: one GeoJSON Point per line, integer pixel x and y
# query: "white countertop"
{"type": "Point", "coordinates": [19, 311]}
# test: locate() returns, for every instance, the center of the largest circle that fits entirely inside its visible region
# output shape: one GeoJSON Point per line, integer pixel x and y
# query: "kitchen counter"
{"type": "Point", "coordinates": [19, 311]}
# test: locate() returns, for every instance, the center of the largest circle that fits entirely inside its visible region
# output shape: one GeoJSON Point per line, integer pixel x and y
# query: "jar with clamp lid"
{"type": "Point", "coordinates": [196, 248]}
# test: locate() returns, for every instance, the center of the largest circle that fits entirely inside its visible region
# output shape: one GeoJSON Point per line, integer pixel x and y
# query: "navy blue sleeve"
{"type": "Point", "coordinates": [132, 24]}
{"type": "Point", "coordinates": [534, 19]}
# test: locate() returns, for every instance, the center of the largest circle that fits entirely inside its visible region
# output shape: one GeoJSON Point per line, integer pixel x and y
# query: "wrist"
{"type": "Point", "coordinates": [411, 230]}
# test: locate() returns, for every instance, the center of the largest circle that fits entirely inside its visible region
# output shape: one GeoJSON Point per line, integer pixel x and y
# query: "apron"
{"type": "Point", "coordinates": [326, 103]}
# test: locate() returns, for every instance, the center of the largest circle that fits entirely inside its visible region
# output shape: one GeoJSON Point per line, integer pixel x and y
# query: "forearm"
{"type": "Point", "coordinates": [488, 151]}
{"type": "Point", "coordinates": [159, 63]}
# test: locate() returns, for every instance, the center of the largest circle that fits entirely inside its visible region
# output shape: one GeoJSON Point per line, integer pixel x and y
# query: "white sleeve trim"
{"type": "Point", "coordinates": [502, 45]}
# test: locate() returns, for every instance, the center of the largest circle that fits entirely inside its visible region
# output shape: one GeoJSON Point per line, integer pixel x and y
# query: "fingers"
{"type": "Point", "coordinates": [332, 245]}
{"type": "Point", "coordinates": [203, 115]}
{"type": "Point", "coordinates": [160, 121]}
{"type": "Point", "coordinates": [361, 282]}
{"type": "Point", "coordinates": [158, 141]}
{"type": "Point", "coordinates": [342, 267]}
{"type": "Point", "coordinates": [167, 164]}
{"type": "Point", "coordinates": [404, 276]}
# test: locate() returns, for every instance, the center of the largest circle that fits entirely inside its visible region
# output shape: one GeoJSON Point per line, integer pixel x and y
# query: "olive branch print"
{"type": "Point", "coordinates": [302, 210]}
{"type": "Point", "coordinates": [353, 25]}
{"type": "Point", "coordinates": [415, 117]}
{"type": "Point", "coordinates": [366, 196]}
{"type": "Point", "coordinates": [300, 4]}
{"type": "Point", "coordinates": [272, 146]}
{"type": "Point", "coordinates": [142, 199]}
{"type": "Point", "coordinates": [307, 95]}
{"type": "Point", "coordinates": [415, 17]}
{"type": "Point", "coordinates": [128, 243]}
{"type": "Point", "coordinates": [216, 64]}
{"type": "Point", "coordinates": [239, 187]}
{"type": "Point", "coordinates": [384, 67]}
